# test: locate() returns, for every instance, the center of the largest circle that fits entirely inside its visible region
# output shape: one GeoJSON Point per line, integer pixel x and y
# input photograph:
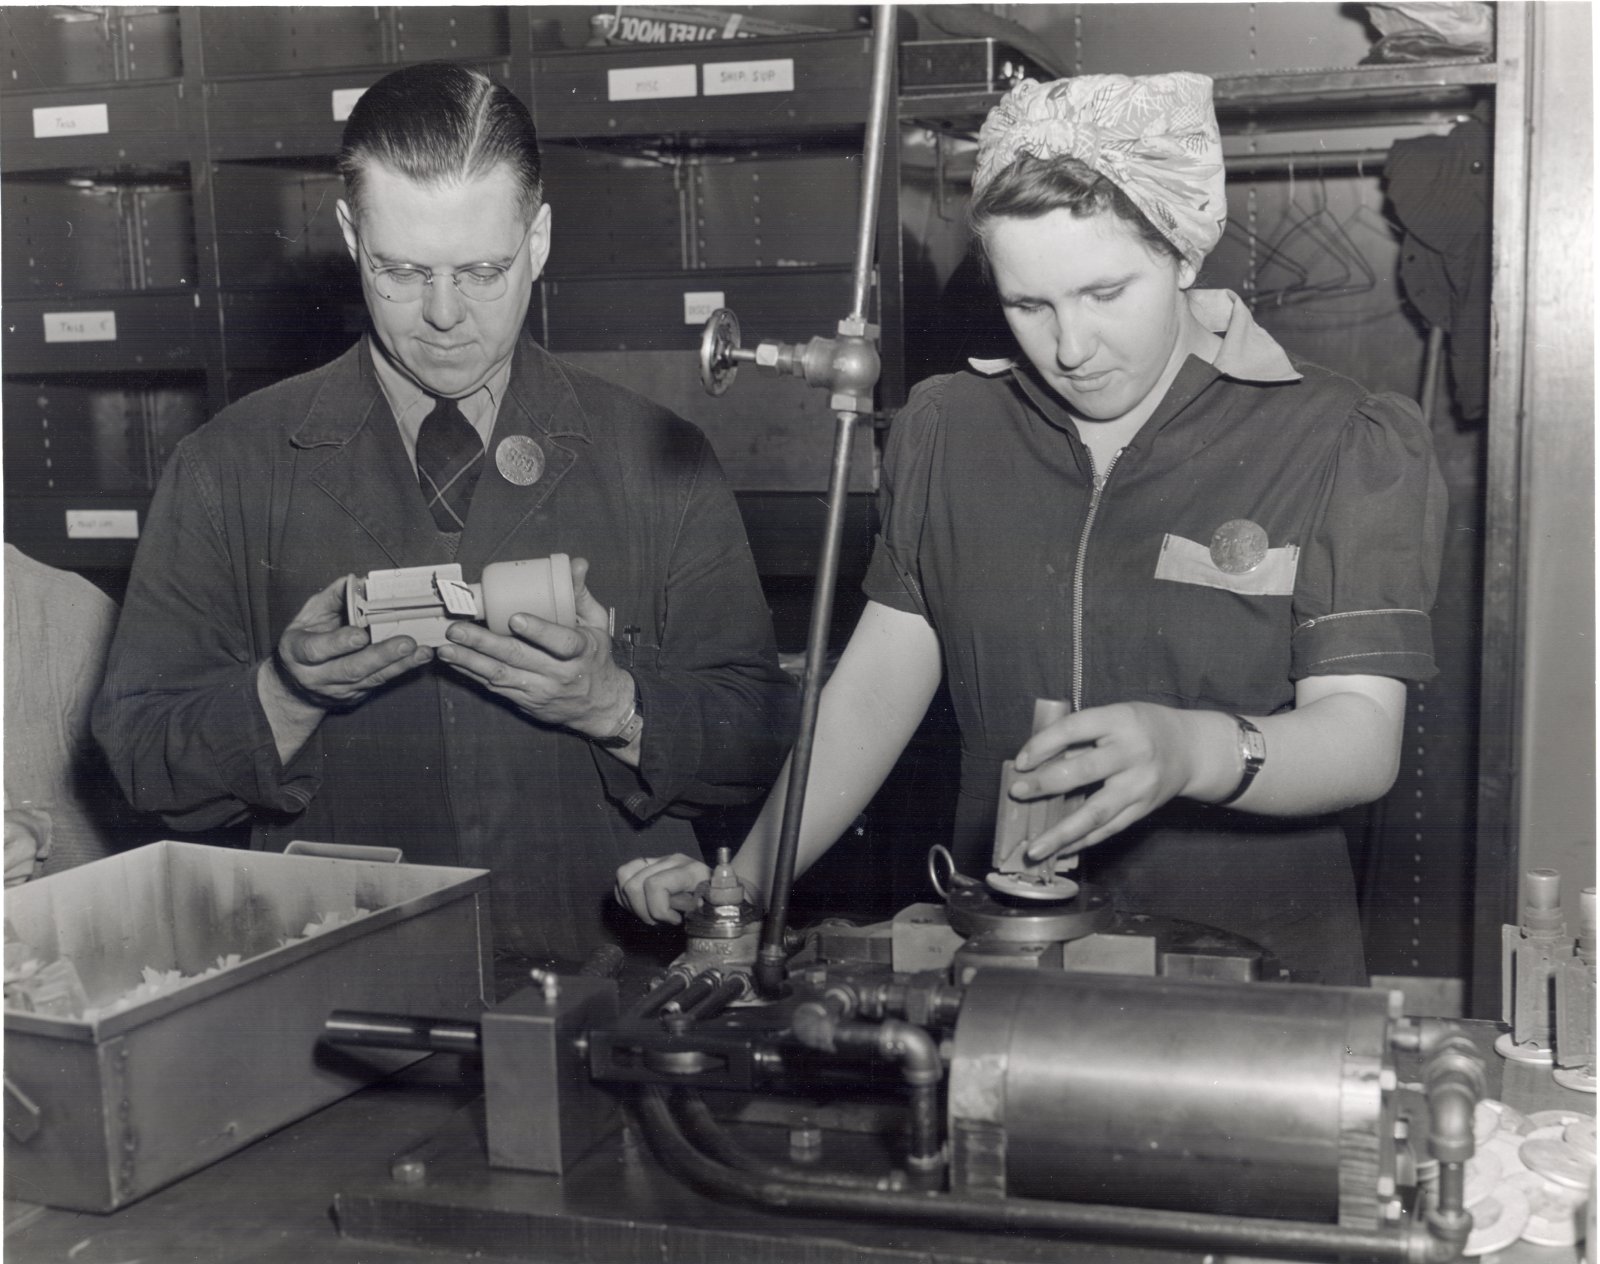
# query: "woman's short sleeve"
{"type": "Point", "coordinates": [1370, 570]}
{"type": "Point", "coordinates": [894, 574]}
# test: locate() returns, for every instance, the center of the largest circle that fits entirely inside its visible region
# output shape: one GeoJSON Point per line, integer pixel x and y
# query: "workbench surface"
{"type": "Point", "coordinates": [271, 1203]}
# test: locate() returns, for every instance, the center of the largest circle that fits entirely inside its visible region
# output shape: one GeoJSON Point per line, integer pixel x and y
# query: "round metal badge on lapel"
{"type": "Point", "coordinates": [1238, 546]}
{"type": "Point", "coordinates": [520, 460]}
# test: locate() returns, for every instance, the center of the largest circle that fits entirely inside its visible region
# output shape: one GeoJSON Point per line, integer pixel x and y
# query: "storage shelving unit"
{"type": "Point", "coordinates": [195, 147]}
{"type": "Point", "coordinates": [169, 234]}
{"type": "Point", "coordinates": [720, 174]}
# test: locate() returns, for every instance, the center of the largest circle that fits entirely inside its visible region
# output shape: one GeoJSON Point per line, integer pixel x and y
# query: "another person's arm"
{"type": "Point", "coordinates": [868, 711]}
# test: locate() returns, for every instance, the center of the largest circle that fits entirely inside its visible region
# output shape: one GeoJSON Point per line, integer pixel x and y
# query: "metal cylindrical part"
{"type": "Point", "coordinates": [1244, 1099]}
{"type": "Point", "coordinates": [1541, 905]}
{"type": "Point", "coordinates": [1542, 889]}
{"type": "Point", "coordinates": [401, 1031]}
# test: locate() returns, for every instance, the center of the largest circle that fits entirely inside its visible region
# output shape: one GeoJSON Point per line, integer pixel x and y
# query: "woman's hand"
{"type": "Point", "coordinates": [1338, 747]}
{"type": "Point", "coordinates": [1130, 758]}
{"type": "Point", "coordinates": [660, 889]}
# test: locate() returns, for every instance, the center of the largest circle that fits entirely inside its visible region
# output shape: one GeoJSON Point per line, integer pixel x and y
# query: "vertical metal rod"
{"type": "Point", "coordinates": [771, 957]}
{"type": "Point", "coordinates": [883, 50]}
{"type": "Point", "coordinates": [1431, 363]}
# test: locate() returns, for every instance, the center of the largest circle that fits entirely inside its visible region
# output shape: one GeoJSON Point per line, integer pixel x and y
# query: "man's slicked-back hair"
{"type": "Point", "coordinates": [440, 123]}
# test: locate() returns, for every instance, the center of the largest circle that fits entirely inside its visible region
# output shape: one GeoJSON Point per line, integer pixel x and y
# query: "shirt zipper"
{"type": "Point", "coordinates": [1077, 576]}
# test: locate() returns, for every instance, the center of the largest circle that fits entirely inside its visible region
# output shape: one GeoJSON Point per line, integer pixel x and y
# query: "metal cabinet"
{"type": "Point", "coordinates": [170, 242]}
{"type": "Point", "coordinates": [723, 173]}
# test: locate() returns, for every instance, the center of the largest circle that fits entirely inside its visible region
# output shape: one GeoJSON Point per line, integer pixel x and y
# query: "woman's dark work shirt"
{"type": "Point", "coordinates": [1046, 578]}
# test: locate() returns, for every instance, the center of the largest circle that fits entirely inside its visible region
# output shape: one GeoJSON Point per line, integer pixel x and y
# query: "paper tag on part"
{"type": "Point", "coordinates": [457, 598]}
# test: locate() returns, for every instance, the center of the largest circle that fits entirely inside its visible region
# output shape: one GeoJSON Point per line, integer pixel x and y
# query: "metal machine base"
{"type": "Point", "coordinates": [618, 1206]}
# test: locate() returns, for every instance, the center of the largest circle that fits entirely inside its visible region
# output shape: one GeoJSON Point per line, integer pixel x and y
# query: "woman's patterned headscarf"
{"type": "Point", "coordinates": [1155, 137]}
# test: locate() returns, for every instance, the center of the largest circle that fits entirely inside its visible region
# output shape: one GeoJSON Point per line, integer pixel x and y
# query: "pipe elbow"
{"type": "Point", "coordinates": [1450, 1109]}
{"type": "Point", "coordinates": [914, 1049]}
{"type": "Point", "coordinates": [1455, 1080]}
{"type": "Point", "coordinates": [1446, 1234]}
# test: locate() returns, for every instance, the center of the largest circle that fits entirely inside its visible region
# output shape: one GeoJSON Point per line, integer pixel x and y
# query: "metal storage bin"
{"type": "Point", "coordinates": [666, 311]}
{"type": "Point", "coordinates": [77, 436]}
{"type": "Point", "coordinates": [56, 45]}
{"type": "Point", "coordinates": [82, 236]}
{"type": "Point", "coordinates": [256, 39]}
{"type": "Point", "coordinates": [276, 227]}
{"type": "Point", "coordinates": [103, 1110]}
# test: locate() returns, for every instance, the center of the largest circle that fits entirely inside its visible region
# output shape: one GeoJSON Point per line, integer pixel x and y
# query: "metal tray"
{"type": "Point", "coordinates": [104, 1109]}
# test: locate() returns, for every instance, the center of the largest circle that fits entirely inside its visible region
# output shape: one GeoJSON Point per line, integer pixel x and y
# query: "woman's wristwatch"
{"type": "Point", "coordinates": [631, 727]}
{"type": "Point", "coordinates": [1253, 751]}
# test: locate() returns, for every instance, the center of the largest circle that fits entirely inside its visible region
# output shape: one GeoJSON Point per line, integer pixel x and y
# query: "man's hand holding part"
{"type": "Point", "coordinates": [321, 665]}
{"type": "Point", "coordinates": [554, 674]}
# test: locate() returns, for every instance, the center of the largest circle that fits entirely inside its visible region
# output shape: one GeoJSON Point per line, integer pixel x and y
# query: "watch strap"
{"type": "Point", "coordinates": [1253, 754]}
{"type": "Point", "coordinates": [628, 732]}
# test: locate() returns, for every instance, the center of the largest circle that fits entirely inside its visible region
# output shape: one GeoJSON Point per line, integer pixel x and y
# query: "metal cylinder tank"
{"type": "Point", "coordinates": [1249, 1099]}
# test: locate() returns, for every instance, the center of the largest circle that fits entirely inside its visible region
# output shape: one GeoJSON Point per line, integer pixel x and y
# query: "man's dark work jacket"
{"type": "Point", "coordinates": [308, 480]}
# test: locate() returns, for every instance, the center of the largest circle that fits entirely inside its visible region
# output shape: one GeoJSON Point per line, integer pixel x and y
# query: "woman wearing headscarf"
{"type": "Point", "coordinates": [1223, 556]}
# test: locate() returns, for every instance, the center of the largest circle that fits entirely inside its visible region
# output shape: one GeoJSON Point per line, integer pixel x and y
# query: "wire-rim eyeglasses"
{"type": "Point", "coordinates": [405, 282]}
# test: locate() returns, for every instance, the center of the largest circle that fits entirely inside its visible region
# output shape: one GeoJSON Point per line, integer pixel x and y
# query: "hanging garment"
{"type": "Point", "coordinates": [1440, 190]}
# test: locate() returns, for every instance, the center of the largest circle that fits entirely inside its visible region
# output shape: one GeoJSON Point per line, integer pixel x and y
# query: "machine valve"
{"type": "Point", "coordinates": [846, 366]}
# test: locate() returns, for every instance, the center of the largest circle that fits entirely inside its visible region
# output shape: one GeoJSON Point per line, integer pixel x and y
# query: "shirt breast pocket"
{"type": "Point", "coordinates": [1183, 561]}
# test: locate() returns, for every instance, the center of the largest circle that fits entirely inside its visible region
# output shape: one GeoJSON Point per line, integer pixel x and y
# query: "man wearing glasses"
{"type": "Point", "coordinates": [447, 434]}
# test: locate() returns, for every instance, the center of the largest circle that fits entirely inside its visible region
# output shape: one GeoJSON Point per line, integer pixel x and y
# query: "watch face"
{"type": "Point", "coordinates": [1255, 746]}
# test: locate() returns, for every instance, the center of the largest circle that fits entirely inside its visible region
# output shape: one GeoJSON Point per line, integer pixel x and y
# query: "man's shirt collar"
{"type": "Point", "coordinates": [410, 403]}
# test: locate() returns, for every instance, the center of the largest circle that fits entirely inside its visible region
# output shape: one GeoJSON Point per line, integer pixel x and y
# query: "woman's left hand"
{"type": "Point", "coordinates": [1131, 757]}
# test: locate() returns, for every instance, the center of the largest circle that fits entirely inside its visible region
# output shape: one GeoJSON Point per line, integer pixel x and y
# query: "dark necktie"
{"type": "Point", "coordinates": [449, 457]}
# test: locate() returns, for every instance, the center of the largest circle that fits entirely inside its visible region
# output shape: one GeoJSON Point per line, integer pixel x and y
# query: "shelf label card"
{"type": "Point", "coordinates": [731, 78]}
{"type": "Point", "coordinates": [102, 524]}
{"type": "Point", "coordinates": [80, 326]}
{"type": "Point", "coordinates": [344, 100]}
{"type": "Point", "coordinates": [699, 304]}
{"type": "Point", "coordinates": [645, 83]}
{"type": "Point", "coordinates": [71, 120]}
